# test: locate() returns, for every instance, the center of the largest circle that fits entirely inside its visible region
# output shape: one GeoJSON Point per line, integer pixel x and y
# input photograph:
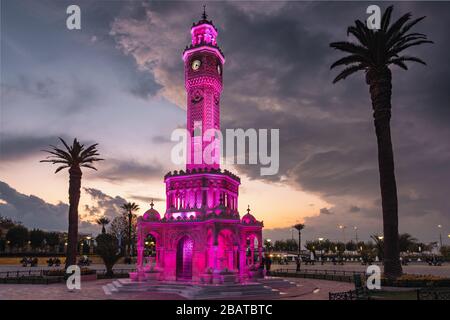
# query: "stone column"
{"type": "Point", "coordinates": [140, 247]}
{"type": "Point", "coordinates": [242, 258]}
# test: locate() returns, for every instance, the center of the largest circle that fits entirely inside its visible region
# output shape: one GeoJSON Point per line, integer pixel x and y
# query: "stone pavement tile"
{"type": "Point", "coordinates": [307, 289]}
{"type": "Point", "coordinates": [320, 290]}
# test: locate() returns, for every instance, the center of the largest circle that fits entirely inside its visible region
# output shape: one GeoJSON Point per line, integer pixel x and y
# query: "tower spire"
{"type": "Point", "coordinates": [204, 15]}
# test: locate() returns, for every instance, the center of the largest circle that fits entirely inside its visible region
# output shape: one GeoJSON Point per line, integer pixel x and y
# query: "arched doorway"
{"type": "Point", "coordinates": [185, 248]}
{"type": "Point", "coordinates": [225, 252]}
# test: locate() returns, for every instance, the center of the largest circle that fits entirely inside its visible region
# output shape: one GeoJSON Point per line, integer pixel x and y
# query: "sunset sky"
{"type": "Point", "coordinates": [119, 81]}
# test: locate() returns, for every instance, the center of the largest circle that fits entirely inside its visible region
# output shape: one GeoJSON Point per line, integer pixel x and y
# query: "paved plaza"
{"type": "Point", "coordinates": [306, 289]}
{"type": "Point", "coordinates": [412, 268]}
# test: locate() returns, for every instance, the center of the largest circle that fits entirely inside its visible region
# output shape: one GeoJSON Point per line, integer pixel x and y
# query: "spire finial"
{"type": "Point", "coordinates": [151, 204]}
{"type": "Point", "coordinates": [204, 15]}
{"type": "Point", "coordinates": [248, 209]}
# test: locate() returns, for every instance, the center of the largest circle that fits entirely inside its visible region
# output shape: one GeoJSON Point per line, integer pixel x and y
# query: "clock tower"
{"type": "Point", "coordinates": [201, 233]}
{"type": "Point", "coordinates": [203, 66]}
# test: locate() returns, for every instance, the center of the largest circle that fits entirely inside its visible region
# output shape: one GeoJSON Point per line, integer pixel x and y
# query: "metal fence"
{"type": "Point", "coordinates": [334, 275]}
{"type": "Point", "coordinates": [40, 276]}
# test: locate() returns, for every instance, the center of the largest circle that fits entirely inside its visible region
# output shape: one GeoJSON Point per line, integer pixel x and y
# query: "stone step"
{"type": "Point", "coordinates": [106, 290]}
{"type": "Point", "coordinates": [196, 291]}
{"type": "Point", "coordinates": [278, 282]}
{"type": "Point", "coordinates": [112, 287]}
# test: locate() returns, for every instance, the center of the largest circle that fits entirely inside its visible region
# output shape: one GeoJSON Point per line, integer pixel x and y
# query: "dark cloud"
{"type": "Point", "coordinates": [143, 84]}
{"type": "Point", "coordinates": [325, 211]}
{"type": "Point", "coordinates": [161, 139]}
{"type": "Point", "coordinates": [354, 209]}
{"type": "Point", "coordinates": [146, 198]}
{"type": "Point", "coordinates": [108, 205]}
{"type": "Point", "coordinates": [120, 170]}
{"type": "Point", "coordinates": [277, 76]}
{"type": "Point", "coordinates": [17, 147]}
{"type": "Point", "coordinates": [32, 211]}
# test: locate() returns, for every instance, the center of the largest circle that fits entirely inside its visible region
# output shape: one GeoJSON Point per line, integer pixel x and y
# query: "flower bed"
{"type": "Point", "coordinates": [417, 281]}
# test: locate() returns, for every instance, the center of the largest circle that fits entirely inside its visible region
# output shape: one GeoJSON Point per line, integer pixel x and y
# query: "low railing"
{"type": "Point", "coordinates": [40, 276]}
{"type": "Point", "coordinates": [36, 276]}
{"type": "Point", "coordinates": [21, 273]}
{"type": "Point", "coordinates": [118, 273]}
{"type": "Point", "coordinates": [433, 294]}
{"type": "Point", "coordinates": [334, 275]}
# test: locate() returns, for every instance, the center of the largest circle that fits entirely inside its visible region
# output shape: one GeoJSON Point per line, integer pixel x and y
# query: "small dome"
{"type": "Point", "coordinates": [248, 218]}
{"type": "Point", "coordinates": [152, 214]}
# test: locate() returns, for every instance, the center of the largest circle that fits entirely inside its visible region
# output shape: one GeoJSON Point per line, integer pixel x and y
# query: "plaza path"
{"type": "Point", "coordinates": [307, 289]}
{"type": "Point", "coordinates": [413, 268]}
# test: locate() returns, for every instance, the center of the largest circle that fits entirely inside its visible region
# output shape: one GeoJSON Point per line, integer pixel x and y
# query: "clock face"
{"type": "Point", "coordinates": [196, 64]}
{"type": "Point", "coordinates": [219, 69]}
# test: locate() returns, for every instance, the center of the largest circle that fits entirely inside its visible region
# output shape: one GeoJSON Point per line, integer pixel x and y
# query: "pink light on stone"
{"type": "Point", "coordinates": [204, 48]}
{"type": "Point", "coordinates": [204, 33]}
{"type": "Point", "coordinates": [201, 230]}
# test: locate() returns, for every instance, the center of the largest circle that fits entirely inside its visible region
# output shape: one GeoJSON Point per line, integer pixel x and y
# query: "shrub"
{"type": "Point", "coordinates": [108, 249]}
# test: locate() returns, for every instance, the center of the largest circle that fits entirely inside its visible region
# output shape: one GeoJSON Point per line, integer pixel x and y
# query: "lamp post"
{"type": "Point", "coordinates": [440, 235]}
{"type": "Point", "coordinates": [342, 227]}
{"type": "Point", "coordinates": [90, 244]}
{"type": "Point", "coordinates": [356, 234]}
{"type": "Point", "coordinates": [299, 227]}
{"type": "Point", "coordinates": [320, 244]}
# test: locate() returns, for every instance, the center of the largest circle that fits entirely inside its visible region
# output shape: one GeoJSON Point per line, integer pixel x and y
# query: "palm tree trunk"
{"type": "Point", "coordinates": [129, 234]}
{"type": "Point", "coordinates": [74, 199]}
{"type": "Point", "coordinates": [380, 92]}
{"type": "Point", "coordinates": [103, 229]}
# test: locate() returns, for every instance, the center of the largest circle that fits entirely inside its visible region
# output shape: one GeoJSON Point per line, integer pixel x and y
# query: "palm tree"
{"type": "Point", "coordinates": [103, 221]}
{"type": "Point", "coordinates": [299, 227]}
{"type": "Point", "coordinates": [379, 246]}
{"type": "Point", "coordinates": [130, 208]}
{"type": "Point", "coordinates": [373, 53]}
{"type": "Point", "coordinates": [73, 157]}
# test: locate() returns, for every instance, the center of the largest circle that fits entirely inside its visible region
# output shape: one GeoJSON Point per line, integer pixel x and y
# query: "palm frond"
{"type": "Point", "coordinates": [398, 49]}
{"type": "Point", "coordinates": [404, 30]}
{"type": "Point", "coordinates": [386, 19]}
{"type": "Point", "coordinates": [349, 60]}
{"type": "Point", "coordinates": [397, 25]}
{"type": "Point", "coordinates": [349, 47]}
{"type": "Point", "coordinates": [88, 166]}
{"type": "Point", "coordinates": [61, 167]}
{"type": "Point", "coordinates": [403, 59]}
{"type": "Point", "coordinates": [348, 71]}
{"type": "Point", "coordinates": [400, 63]}
{"type": "Point", "coordinates": [74, 155]}
{"type": "Point", "coordinates": [381, 48]}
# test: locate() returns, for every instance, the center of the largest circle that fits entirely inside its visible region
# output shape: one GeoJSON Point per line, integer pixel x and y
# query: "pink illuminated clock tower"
{"type": "Point", "coordinates": [201, 237]}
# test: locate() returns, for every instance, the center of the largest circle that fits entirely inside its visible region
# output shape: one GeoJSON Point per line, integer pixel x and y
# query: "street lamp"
{"type": "Point", "coordinates": [440, 235]}
{"type": "Point", "coordinates": [269, 241]}
{"type": "Point", "coordinates": [380, 237]}
{"type": "Point", "coordinates": [342, 227]}
{"type": "Point", "coordinates": [299, 227]}
{"type": "Point", "coordinates": [356, 233]}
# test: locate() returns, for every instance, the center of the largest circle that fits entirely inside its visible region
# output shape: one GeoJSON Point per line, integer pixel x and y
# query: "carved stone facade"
{"type": "Point", "coordinates": [201, 232]}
